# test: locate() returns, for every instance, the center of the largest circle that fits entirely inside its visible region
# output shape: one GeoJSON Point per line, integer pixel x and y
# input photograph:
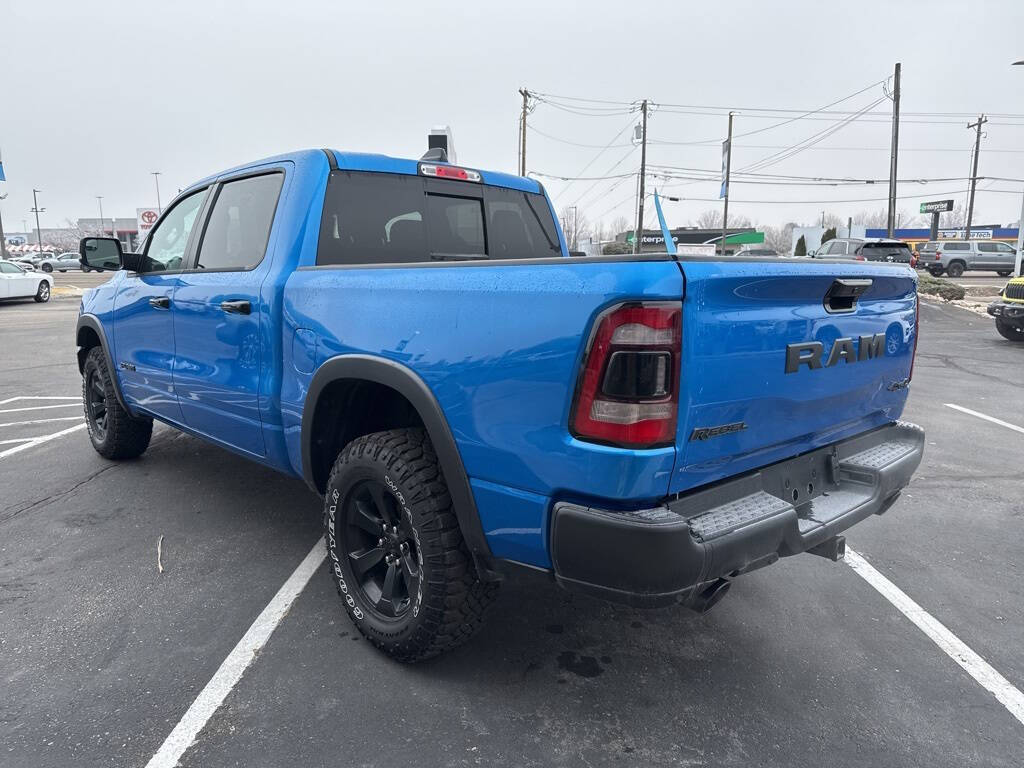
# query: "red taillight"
{"type": "Point", "coordinates": [860, 257]}
{"type": "Point", "coordinates": [938, 255]}
{"type": "Point", "coordinates": [628, 392]}
{"type": "Point", "coordinates": [449, 172]}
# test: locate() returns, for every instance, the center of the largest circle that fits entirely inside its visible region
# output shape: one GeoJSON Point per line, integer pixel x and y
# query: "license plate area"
{"type": "Point", "coordinates": [803, 479]}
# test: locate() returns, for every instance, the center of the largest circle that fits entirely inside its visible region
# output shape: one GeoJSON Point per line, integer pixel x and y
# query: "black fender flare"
{"type": "Point", "coordinates": [407, 383]}
{"type": "Point", "coordinates": [92, 323]}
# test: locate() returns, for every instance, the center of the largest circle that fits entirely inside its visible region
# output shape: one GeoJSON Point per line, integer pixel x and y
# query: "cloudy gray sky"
{"type": "Point", "coordinates": [95, 96]}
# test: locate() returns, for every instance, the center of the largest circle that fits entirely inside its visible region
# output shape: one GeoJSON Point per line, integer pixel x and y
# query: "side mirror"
{"type": "Point", "coordinates": [100, 253]}
{"type": "Point", "coordinates": [812, 253]}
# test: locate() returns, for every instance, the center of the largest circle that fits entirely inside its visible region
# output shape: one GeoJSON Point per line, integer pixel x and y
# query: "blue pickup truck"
{"type": "Point", "coordinates": [413, 339]}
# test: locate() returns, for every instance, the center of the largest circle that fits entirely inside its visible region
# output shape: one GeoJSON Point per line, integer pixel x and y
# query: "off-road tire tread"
{"type": "Point", "coordinates": [455, 600]}
{"type": "Point", "coordinates": [127, 436]}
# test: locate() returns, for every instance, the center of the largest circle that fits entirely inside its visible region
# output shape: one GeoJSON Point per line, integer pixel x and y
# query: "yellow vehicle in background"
{"type": "Point", "coordinates": [1009, 310]}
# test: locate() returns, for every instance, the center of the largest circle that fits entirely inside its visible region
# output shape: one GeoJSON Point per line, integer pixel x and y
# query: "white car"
{"type": "Point", "coordinates": [16, 283]}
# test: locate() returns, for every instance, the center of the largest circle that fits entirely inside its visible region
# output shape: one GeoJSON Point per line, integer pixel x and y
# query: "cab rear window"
{"type": "Point", "coordinates": [383, 218]}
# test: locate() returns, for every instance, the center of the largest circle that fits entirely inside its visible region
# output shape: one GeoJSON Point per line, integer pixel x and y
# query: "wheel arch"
{"type": "Point", "coordinates": [347, 371]}
{"type": "Point", "coordinates": [88, 334]}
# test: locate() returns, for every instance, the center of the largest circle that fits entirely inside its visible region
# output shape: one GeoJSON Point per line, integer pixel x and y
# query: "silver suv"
{"type": "Point", "coordinates": [954, 257]}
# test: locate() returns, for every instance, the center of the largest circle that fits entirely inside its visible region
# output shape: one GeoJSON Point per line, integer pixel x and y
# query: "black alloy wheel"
{"type": "Point", "coordinates": [381, 548]}
{"type": "Point", "coordinates": [96, 404]}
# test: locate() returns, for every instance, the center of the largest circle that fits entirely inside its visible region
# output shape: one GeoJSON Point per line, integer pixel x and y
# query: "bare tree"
{"type": "Point", "coordinates": [712, 219]}
{"type": "Point", "coordinates": [619, 224]}
{"type": "Point", "coordinates": [575, 226]}
{"type": "Point", "coordinates": [779, 238]}
{"type": "Point", "coordinates": [872, 219]}
{"type": "Point", "coordinates": [66, 238]}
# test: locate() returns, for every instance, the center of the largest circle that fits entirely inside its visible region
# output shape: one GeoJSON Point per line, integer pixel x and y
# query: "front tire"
{"type": "Point", "coordinates": [43, 292]}
{"type": "Point", "coordinates": [114, 433]}
{"type": "Point", "coordinates": [1004, 272]}
{"type": "Point", "coordinates": [395, 549]}
{"type": "Point", "coordinates": [1010, 332]}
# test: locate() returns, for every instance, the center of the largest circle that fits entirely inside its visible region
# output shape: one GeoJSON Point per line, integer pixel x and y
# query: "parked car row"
{"type": "Point", "coordinates": [49, 262]}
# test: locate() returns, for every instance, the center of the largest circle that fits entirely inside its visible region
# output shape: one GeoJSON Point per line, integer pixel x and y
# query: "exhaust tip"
{"type": "Point", "coordinates": [709, 597]}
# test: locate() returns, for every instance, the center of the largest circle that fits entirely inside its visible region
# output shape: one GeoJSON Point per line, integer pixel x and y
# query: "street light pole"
{"type": "Point", "coordinates": [37, 210]}
{"type": "Point", "coordinates": [3, 240]}
{"type": "Point", "coordinates": [1020, 222]}
{"type": "Point", "coordinates": [100, 198]}
{"type": "Point", "coordinates": [156, 178]}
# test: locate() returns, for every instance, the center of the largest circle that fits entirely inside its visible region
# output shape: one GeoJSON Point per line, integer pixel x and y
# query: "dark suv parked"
{"type": "Point", "coordinates": [865, 249]}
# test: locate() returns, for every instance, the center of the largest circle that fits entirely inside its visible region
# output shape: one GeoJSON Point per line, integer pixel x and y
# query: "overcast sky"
{"type": "Point", "coordinates": [95, 96]}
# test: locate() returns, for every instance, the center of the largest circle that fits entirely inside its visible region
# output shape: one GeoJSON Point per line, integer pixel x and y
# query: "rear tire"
{"type": "Point", "coordinates": [43, 292]}
{"type": "Point", "coordinates": [395, 550]}
{"type": "Point", "coordinates": [1010, 332]}
{"type": "Point", "coordinates": [955, 269]}
{"type": "Point", "coordinates": [114, 433]}
{"type": "Point", "coordinates": [1004, 272]}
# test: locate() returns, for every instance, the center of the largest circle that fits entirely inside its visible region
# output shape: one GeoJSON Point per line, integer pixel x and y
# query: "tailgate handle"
{"type": "Point", "coordinates": [842, 295]}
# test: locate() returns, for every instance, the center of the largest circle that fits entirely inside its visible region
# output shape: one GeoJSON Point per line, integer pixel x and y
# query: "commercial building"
{"type": "Point", "coordinates": [653, 240]}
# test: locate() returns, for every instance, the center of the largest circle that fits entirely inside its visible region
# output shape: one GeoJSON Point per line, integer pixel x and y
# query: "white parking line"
{"type": "Point", "coordinates": [986, 417]}
{"type": "Point", "coordinates": [39, 407]}
{"type": "Point", "coordinates": [39, 421]}
{"type": "Point", "coordinates": [16, 440]}
{"type": "Point", "coordinates": [983, 672]}
{"type": "Point", "coordinates": [35, 397]}
{"type": "Point", "coordinates": [232, 668]}
{"type": "Point", "coordinates": [39, 440]}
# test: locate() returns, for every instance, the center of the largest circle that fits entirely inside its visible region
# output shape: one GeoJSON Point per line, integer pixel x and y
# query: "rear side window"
{"type": "Point", "coordinates": [381, 218]}
{"type": "Point", "coordinates": [886, 249]}
{"type": "Point", "coordinates": [239, 224]}
{"type": "Point", "coordinates": [956, 247]}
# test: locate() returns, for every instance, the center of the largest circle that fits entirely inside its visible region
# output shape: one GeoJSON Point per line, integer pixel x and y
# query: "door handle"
{"type": "Point", "coordinates": [160, 302]}
{"type": "Point", "coordinates": [239, 307]}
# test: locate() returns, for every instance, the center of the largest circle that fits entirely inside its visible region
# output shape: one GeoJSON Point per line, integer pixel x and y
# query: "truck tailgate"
{"type": "Point", "coordinates": [742, 405]}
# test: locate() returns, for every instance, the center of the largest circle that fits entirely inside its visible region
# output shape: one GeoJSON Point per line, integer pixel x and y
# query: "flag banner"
{"type": "Point", "coordinates": [725, 159]}
{"type": "Point", "coordinates": [670, 245]}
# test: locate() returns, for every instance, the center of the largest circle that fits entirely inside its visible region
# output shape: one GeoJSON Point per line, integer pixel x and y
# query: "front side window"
{"type": "Point", "coordinates": [10, 268]}
{"type": "Point", "coordinates": [382, 218]}
{"type": "Point", "coordinates": [239, 226]}
{"type": "Point", "coordinates": [1004, 248]}
{"type": "Point", "coordinates": [165, 249]}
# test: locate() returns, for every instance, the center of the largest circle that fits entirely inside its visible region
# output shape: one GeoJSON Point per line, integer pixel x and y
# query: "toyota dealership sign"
{"type": "Point", "coordinates": [146, 218]}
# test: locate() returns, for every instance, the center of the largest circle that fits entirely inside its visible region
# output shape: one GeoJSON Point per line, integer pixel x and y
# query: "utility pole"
{"type": "Point", "coordinates": [156, 178]}
{"type": "Point", "coordinates": [100, 198]}
{"type": "Point", "coordinates": [3, 240]}
{"type": "Point", "coordinates": [1020, 239]}
{"type": "Point", "coordinates": [974, 173]}
{"type": "Point", "coordinates": [522, 132]}
{"type": "Point", "coordinates": [37, 210]}
{"type": "Point", "coordinates": [643, 172]}
{"type": "Point", "coordinates": [728, 171]}
{"type": "Point", "coordinates": [894, 151]}
{"type": "Point", "coordinates": [575, 227]}
{"type": "Point", "coordinates": [849, 226]}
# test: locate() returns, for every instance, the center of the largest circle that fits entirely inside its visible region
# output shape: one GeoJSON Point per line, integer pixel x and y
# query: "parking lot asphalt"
{"type": "Point", "coordinates": [803, 664]}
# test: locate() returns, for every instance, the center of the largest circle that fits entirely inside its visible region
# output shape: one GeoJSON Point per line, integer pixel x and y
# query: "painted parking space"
{"type": "Point", "coordinates": [805, 663]}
